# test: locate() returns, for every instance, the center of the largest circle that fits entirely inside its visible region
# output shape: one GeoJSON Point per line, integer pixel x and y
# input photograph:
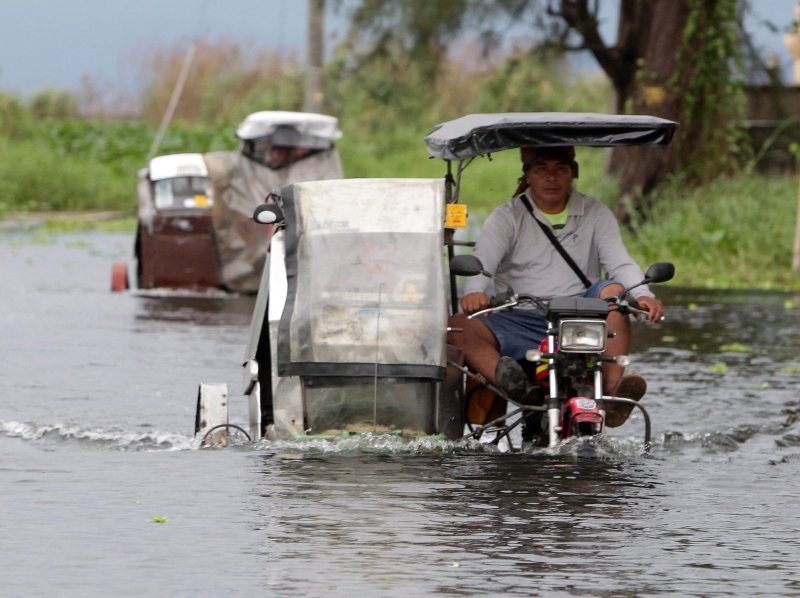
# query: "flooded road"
{"type": "Point", "coordinates": [105, 491]}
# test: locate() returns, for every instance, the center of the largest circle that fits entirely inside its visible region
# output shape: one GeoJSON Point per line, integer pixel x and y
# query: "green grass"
{"type": "Point", "coordinates": [735, 233]}
{"type": "Point", "coordinates": [33, 178]}
{"type": "Point", "coordinates": [88, 165]}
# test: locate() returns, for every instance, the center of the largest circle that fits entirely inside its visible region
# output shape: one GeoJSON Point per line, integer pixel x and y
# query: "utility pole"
{"type": "Point", "coordinates": [796, 252]}
{"type": "Point", "coordinates": [316, 55]}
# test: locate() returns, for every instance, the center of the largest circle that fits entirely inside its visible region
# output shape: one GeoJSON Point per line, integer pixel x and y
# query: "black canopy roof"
{"type": "Point", "coordinates": [480, 134]}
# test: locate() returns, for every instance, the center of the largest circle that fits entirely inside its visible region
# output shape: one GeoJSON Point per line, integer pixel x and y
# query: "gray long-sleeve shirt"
{"type": "Point", "coordinates": [513, 247]}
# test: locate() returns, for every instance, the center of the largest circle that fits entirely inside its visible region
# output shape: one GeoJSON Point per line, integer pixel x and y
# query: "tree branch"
{"type": "Point", "coordinates": [579, 16]}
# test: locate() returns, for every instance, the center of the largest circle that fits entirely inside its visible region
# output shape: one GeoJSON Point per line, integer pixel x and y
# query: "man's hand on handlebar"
{"type": "Point", "coordinates": [475, 302]}
{"type": "Point", "coordinates": [653, 307]}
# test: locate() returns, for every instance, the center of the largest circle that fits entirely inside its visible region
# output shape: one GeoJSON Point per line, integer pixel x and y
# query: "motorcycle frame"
{"type": "Point", "coordinates": [556, 399]}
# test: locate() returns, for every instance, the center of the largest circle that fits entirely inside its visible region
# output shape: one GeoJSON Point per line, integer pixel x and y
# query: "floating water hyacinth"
{"type": "Point", "coordinates": [736, 348]}
{"type": "Point", "coordinates": [159, 519]}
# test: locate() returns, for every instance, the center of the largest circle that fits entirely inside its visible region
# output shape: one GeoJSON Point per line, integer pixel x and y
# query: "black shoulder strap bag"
{"type": "Point", "coordinates": [555, 242]}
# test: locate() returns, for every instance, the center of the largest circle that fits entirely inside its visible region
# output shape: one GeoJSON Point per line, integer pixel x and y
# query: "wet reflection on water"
{"type": "Point", "coordinates": [211, 309]}
{"type": "Point", "coordinates": [522, 525]}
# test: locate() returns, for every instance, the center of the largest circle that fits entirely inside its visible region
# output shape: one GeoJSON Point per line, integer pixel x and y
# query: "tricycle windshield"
{"type": "Point", "coordinates": [181, 193]}
{"type": "Point", "coordinates": [365, 273]}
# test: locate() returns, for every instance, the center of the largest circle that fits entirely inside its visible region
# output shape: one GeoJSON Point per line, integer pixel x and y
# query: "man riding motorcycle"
{"type": "Point", "coordinates": [549, 240]}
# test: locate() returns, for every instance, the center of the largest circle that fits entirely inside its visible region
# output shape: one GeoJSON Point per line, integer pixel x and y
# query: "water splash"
{"type": "Point", "coordinates": [393, 444]}
{"type": "Point", "coordinates": [375, 443]}
{"type": "Point", "coordinates": [55, 435]}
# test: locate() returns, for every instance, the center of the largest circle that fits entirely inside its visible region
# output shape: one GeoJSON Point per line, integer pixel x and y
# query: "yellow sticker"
{"type": "Point", "coordinates": [456, 215]}
{"type": "Point", "coordinates": [654, 95]}
{"type": "Point", "coordinates": [200, 201]}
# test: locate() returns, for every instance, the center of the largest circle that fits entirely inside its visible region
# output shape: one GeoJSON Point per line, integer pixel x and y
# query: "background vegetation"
{"type": "Point", "coordinates": [55, 155]}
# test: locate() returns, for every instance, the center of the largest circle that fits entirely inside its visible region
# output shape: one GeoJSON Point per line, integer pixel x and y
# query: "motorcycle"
{"type": "Point", "coordinates": [566, 369]}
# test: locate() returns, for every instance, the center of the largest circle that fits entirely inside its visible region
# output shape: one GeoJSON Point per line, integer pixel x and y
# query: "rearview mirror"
{"type": "Point", "coordinates": [466, 265]}
{"type": "Point", "coordinates": [268, 213]}
{"type": "Point", "coordinates": [660, 272]}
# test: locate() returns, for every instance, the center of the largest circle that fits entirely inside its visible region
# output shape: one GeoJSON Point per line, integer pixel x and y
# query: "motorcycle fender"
{"type": "Point", "coordinates": [579, 410]}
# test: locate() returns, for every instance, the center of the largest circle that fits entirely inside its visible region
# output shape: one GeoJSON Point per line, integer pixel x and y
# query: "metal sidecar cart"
{"type": "Point", "coordinates": [349, 327]}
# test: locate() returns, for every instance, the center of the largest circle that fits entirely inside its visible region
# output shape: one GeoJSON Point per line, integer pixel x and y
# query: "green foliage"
{"type": "Point", "coordinates": [33, 178]}
{"type": "Point", "coordinates": [708, 78]}
{"type": "Point", "coordinates": [281, 93]}
{"type": "Point", "coordinates": [123, 145]}
{"type": "Point", "coordinates": [534, 81]}
{"type": "Point", "coordinates": [736, 232]}
{"type": "Point", "coordinates": [15, 118]}
{"type": "Point", "coordinates": [379, 96]}
{"type": "Point", "coordinates": [414, 33]}
{"type": "Point", "coordinates": [397, 152]}
{"type": "Point", "coordinates": [88, 165]}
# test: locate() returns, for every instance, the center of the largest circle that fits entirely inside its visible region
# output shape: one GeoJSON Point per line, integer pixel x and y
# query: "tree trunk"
{"type": "Point", "coordinates": [640, 169]}
{"type": "Point", "coordinates": [639, 66]}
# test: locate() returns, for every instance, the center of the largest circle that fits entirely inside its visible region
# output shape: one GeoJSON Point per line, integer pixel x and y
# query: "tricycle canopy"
{"type": "Point", "coordinates": [176, 165]}
{"type": "Point", "coordinates": [480, 134]}
{"type": "Point", "coordinates": [296, 129]}
{"type": "Point", "coordinates": [242, 180]}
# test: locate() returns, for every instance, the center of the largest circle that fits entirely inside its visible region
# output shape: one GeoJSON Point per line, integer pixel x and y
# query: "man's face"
{"type": "Point", "coordinates": [280, 156]}
{"type": "Point", "coordinates": [549, 179]}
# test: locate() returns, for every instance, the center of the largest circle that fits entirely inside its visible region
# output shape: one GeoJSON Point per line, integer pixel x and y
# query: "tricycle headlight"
{"type": "Point", "coordinates": [577, 336]}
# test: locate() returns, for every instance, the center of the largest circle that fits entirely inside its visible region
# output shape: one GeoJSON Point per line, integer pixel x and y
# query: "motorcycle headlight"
{"type": "Point", "coordinates": [578, 336]}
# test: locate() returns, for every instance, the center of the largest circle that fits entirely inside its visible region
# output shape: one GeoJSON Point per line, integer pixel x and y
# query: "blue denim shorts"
{"type": "Point", "coordinates": [519, 330]}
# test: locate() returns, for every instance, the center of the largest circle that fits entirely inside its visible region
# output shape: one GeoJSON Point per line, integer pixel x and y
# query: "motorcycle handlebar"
{"type": "Point", "coordinates": [509, 302]}
{"type": "Point", "coordinates": [627, 306]}
{"type": "Point", "coordinates": [624, 306]}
